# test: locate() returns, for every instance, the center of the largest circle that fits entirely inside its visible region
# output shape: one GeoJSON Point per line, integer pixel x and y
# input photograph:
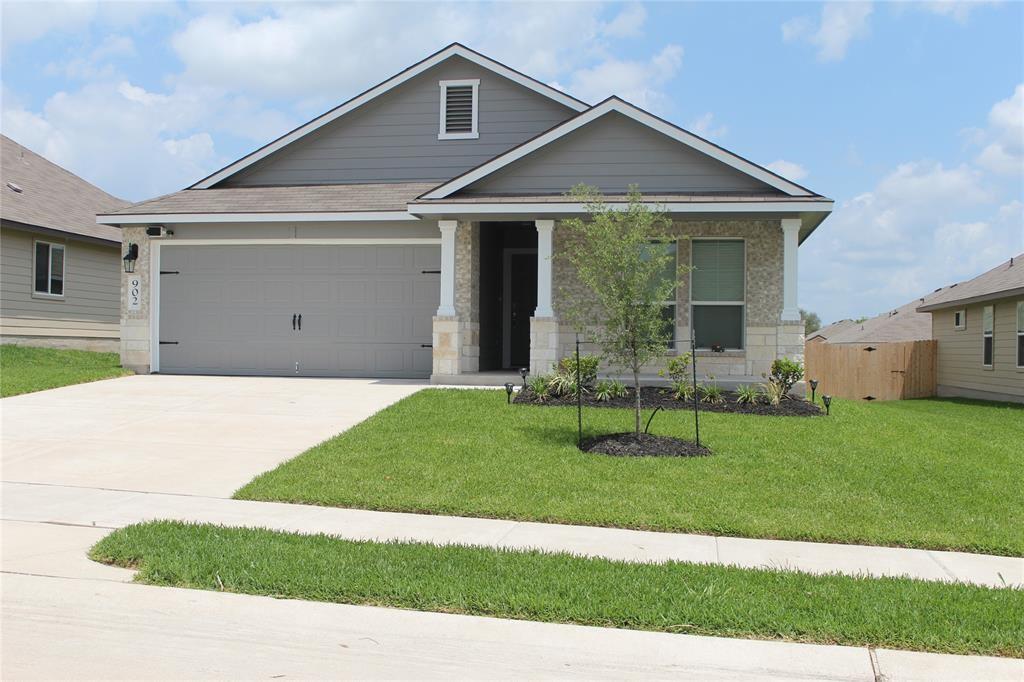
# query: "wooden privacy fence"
{"type": "Point", "coordinates": [873, 371]}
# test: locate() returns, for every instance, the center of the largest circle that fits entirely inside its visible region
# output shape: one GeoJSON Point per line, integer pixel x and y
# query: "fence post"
{"type": "Point", "coordinates": [693, 363]}
{"type": "Point", "coordinates": [579, 396]}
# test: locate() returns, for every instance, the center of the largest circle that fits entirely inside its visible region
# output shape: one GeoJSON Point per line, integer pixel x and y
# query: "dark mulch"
{"type": "Point", "coordinates": [643, 445]}
{"type": "Point", "coordinates": [653, 396]}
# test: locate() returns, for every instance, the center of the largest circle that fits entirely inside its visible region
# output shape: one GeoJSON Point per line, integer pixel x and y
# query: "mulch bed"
{"type": "Point", "coordinates": [654, 396]}
{"type": "Point", "coordinates": [642, 445]}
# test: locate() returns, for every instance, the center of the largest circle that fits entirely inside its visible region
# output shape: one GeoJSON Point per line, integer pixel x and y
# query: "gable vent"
{"type": "Point", "coordinates": [458, 109]}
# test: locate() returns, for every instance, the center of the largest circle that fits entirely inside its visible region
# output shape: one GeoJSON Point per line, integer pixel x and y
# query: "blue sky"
{"type": "Point", "coordinates": [908, 114]}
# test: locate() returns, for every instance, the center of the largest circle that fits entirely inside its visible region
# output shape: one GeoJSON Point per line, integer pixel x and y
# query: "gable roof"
{"type": "Point", "coordinates": [455, 49]}
{"type": "Point", "coordinates": [615, 104]}
{"type": "Point", "coordinates": [900, 324]}
{"type": "Point", "coordinates": [829, 330]}
{"type": "Point", "coordinates": [1002, 281]}
{"type": "Point", "coordinates": [51, 197]}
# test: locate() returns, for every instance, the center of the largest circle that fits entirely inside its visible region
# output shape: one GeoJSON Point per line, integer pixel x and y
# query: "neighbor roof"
{"type": "Point", "coordinates": [1002, 281]}
{"type": "Point", "coordinates": [308, 199]}
{"type": "Point", "coordinates": [830, 330]}
{"type": "Point", "coordinates": [39, 193]}
{"type": "Point", "coordinates": [900, 324]}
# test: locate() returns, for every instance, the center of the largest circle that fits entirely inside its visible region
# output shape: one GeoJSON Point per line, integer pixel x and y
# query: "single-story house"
{"type": "Point", "coordinates": [830, 330]}
{"type": "Point", "coordinates": [979, 325]}
{"type": "Point", "coordinates": [904, 323]}
{"type": "Point", "coordinates": [59, 270]}
{"type": "Point", "coordinates": [409, 232]}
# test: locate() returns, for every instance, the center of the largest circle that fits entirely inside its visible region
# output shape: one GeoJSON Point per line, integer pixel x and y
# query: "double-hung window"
{"type": "Point", "coordinates": [49, 269]}
{"type": "Point", "coordinates": [1020, 334]}
{"type": "Point", "coordinates": [717, 293]}
{"type": "Point", "coordinates": [960, 320]}
{"type": "Point", "coordinates": [986, 336]}
{"type": "Point", "coordinates": [668, 307]}
{"type": "Point", "coordinates": [459, 109]}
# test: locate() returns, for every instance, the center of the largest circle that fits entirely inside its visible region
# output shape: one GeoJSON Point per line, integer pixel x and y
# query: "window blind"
{"type": "Point", "coordinates": [718, 270]}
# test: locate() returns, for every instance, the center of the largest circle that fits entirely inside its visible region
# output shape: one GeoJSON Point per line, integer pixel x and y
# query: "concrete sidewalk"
{"type": "Point", "coordinates": [113, 509]}
{"type": "Point", "coordinates": [66, 617]}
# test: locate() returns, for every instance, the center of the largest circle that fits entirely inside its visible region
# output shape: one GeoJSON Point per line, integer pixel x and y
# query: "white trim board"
{"type": "Point", "coordinates": [454, 49]}
{"type": "Point", "coordinates": [615, 104]}
{"type": "Point", "coordinates": [792, 207]}
{"type": "Point", "coordinates": [351, 216]}
{"type": "Point", "coordinates": [339, 241]}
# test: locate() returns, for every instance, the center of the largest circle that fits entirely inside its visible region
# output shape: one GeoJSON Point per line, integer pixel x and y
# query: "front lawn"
{"type": "Point", "coordinates": [24, 369]}
{"type": "Point", "coordinates": [673, 597]}
{"type": "Point", "coordinates": [922, 473]}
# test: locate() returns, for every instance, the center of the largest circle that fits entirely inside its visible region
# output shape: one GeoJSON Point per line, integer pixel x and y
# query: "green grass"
{"type": "Point", "coordinates": [674, 597]}
{"type": "Point", "coordinates": [920, 473]}
{"type": "Point", "coordinates": [25, 370]}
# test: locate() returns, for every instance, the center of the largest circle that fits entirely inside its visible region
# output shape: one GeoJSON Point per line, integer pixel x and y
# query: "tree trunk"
{"type": "Point", "coordinates": [636, 397]}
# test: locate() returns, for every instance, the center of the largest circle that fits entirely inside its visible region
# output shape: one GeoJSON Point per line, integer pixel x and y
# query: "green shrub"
{"type": "Point", "coordinates": [747, 394]}
{"type": "Point", "coordinates": [607, 389]}
{"type": "Point", "coordinates": [588, 369]}
{"type": "Point", "coordinates": [682, 390]}
{"type": "Point", "coordinates": [675, 369]}
{"type": "Point", "coordinates": [563, 384]}
{"type": "Point", "coordinates": [540, 384]}
{"type": "Point", "coordinates": [711, 393]}
{"type": "Point", "coordinates": [786, 373]}
{"type": "Point", "coordinates": [773, 393]}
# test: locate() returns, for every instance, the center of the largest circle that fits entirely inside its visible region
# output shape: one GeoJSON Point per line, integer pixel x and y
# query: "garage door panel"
{"type": "Point", "coordinates": [366, 310]}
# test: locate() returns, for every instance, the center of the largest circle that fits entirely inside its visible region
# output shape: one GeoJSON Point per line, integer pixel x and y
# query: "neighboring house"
{"type": "Point", "coordinates": [900, 324]}
{"type": "Point", "coordinates": [59, 270]}
{"type": "Point", "coordinates": [409, 233]}
{"type": "Point", "coordinates": [979, 325]}
{"type": "Point", "coordinates": [829, 330]}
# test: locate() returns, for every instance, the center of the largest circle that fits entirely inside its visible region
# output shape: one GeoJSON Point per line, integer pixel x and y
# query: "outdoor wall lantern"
{"type": "Point", "coordinates": [524, 372]}
{"type": "Point", "coordinates": [814, 387]}
{"type": "Point", "coordinates": [826, 400]}
{"type": "Point", "coordinates": [508, 389]}
{"type": "Point", "coordinates": [130, 257]}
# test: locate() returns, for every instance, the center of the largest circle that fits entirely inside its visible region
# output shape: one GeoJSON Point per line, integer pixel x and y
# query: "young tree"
{"type": "Point", "coordinates": [812, 322]}
{"type": "Point", "coordinates": [623, 260]}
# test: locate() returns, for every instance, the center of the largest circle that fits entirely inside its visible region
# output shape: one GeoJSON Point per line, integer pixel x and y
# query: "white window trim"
{"type": "Point", "coordinates": [963, 320]}
{"type": "Point", "coordinates": [988, 334]}
{"type": "Point", "coordinates": [49, 278]}
{"type": "Point", "coordinates": [474, 133]}
{"type": "Point", "coordinates": [674, 341]}
{"type": "Point", "coordinates": [742, 304]}
{"type": "Point", "coordinates": [1020, 333]}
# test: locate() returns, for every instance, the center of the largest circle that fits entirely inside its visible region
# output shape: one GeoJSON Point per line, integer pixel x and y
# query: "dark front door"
{"type": "Point", "coordinates": [522, 298]}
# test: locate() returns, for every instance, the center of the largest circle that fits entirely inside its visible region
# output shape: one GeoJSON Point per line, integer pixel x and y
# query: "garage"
{"type": "Point", "coordinates": [309, 310]}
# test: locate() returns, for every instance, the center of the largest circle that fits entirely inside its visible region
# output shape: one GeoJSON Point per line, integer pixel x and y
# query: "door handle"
{"type": "Point", "coordinates": [293, 321]}
{"type": "Point", "coordinates": [300, 322]}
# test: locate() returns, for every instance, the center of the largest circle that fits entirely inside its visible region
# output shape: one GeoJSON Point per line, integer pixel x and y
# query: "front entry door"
{"type": "Point", "coordinates": [521, 297]}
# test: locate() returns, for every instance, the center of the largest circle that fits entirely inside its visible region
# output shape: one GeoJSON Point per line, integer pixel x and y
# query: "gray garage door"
{"type": "Point", "coordinates": [359, 311]}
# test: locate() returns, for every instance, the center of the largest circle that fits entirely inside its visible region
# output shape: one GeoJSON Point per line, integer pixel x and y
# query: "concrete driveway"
{"type": "Point", "coordinates": [178, 434]}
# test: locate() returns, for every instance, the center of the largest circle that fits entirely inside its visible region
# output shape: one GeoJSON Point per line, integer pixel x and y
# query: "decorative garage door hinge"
{"type": "Point", "coordinates": [168, 343]}
{"type": "Point", "coordinates": [430, 272]}
{"type": "Point", "coordinates": [169, 272]}
{"type": "Point", "coordinates": [426, 345]}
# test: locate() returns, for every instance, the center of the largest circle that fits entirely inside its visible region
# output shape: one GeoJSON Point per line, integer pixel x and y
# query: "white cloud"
{"type": "Point", "coordinates": [1004, 138]}
{"type": "Point", "coordinates": [788, 169]}
{"type": "Point", "coordinates": [958, 10]}
{"type": "Point", "coordinates": [638, 82]}
{"type": "Point", "coordinates": [706, 127]}
{"type": "Point", "coordinates": [628, 23]}
{"type": "Point", "coordinates": [26, 20]}
{"type": "Point", "coordinates": [841, 23]}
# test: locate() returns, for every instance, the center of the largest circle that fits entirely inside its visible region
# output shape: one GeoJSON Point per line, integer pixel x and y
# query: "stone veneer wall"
{"type": "Point", "coordinates": [135, 341]}
{"type": "Point", "coordinates": [766, 337]}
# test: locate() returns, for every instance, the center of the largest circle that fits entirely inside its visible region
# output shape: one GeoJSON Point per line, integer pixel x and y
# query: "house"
{"type": "Point", "coordinates": [409, 232]}
{"type": "Point", "coordinates": [979, 325]}
{"type": "Point", "coordinates": [829, 330]}
{"type": "Point", "coordinates": [904, 323]}
{"type": "Point", "coordinates": [59, 270]}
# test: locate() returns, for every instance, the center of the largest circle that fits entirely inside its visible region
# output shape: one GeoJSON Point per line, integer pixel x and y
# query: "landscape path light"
{"type": "Point", "coordinates": [508, 389]}
{"type": "Point", "coordinates": [826, 400]}
{"type": "Point", "coordinates": [814, 387]}
{"type": "Point", "coordinates": [523, 373]}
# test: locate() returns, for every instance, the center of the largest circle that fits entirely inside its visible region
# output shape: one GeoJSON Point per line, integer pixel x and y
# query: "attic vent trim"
{"type": "Point", "coordinates": [459, 109]}
{"type": "Point", "coordinates": [14, 187]}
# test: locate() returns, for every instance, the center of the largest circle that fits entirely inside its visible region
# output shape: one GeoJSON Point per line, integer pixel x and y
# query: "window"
{"type": "Point", "coordinates": [986, 336]}
{"type": "Point", "coordinates": [1020, 334]}
{"type": "Point", "coordinates": [49, 269]}
{"type": "Point", "coordinates": [717, 298]}
{"type": "Point", "coordinates": [459, 110]}
{"type": "Point", "coordinates": [960, 319]}
{"type": "Point", "coordinates": [668, 310]}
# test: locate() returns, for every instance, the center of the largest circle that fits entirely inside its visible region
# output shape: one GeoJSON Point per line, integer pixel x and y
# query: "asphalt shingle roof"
{"type": "Point", "coordinates": [1006, 279]}
{"type": "Point", "coordinates": [50, 196]}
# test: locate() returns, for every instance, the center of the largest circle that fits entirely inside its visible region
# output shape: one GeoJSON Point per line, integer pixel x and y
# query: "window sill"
{"type": "Point", "coordinates": [47, 297]}
{"type": "Point", "coordinates": [458, 136]}
{"type": "Point", "coordinates": [735, 353]}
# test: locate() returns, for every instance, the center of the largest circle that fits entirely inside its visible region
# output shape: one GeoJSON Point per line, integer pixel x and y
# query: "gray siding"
{"type": "Point", "coordinates": [90, 306]}
{"type": "Point", "coordinates": [394, 137]}
{"type": "Point", "coordinates": [959, 362]}
{"type": "Point", "coordinates": [611, 153]}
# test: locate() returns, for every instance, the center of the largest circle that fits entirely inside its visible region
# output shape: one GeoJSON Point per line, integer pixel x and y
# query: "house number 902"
{"type": "Point", "coordinates": [134, 293]}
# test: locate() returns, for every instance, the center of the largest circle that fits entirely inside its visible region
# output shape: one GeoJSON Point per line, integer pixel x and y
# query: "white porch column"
{"type": "Point", "coordinates": [790, 242]}
{"type": "Point", "coordinates": [447, 307]}
{"type": "Point", "coordinates": [545, 228]}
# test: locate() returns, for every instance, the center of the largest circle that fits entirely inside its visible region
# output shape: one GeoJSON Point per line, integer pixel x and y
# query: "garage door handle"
{"type": "Point", "coordinates": [300, 322]}
{"type": "Point", "coordinates": [293, 321]}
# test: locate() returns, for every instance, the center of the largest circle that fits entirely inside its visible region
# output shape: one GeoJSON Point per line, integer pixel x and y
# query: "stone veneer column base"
{"type": "Point", "coordinates": [544, 346]}
{"type": "Point", "coordinates": [447, 340]}
{"type": "Point", "coordinates": [790, 341]}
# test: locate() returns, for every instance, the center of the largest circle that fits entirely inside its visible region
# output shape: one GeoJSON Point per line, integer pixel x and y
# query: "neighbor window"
{"type": "Point", "coordinates": [1020, 334]}
{"type": "Point", "coordinates": [986, 336]}
{"type": "Point", "coordinates": [668, 307]}
{"type": "Point", "coordinates": [459, 109]}
{"type": "Point", "coordinates": [717, 296]}
{"type": "Point", "coordinates": [960, 319]}
{"type": "Point", "coordinates": [49, 269]}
